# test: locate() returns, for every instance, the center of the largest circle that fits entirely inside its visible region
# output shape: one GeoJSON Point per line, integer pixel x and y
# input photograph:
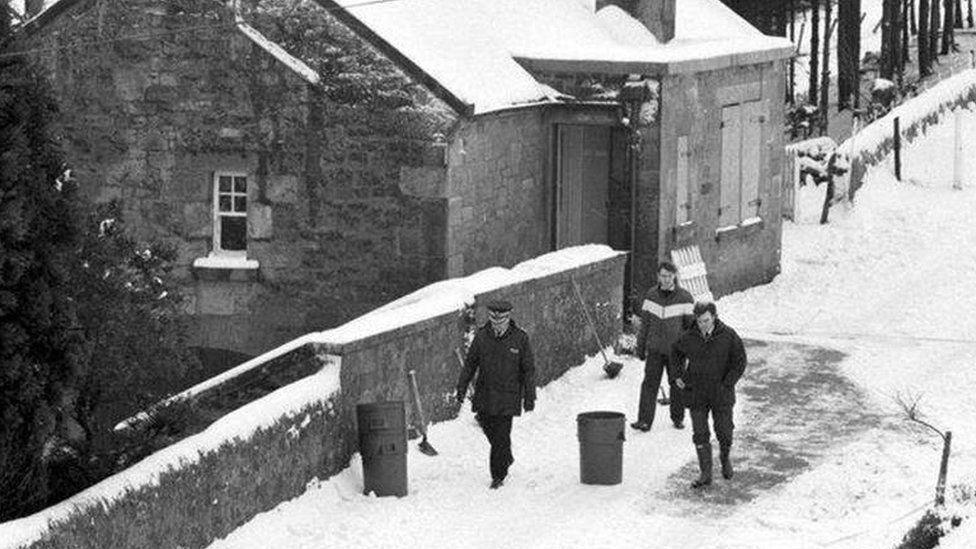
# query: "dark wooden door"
{"type": "Point", "coordinates": [583, 173]}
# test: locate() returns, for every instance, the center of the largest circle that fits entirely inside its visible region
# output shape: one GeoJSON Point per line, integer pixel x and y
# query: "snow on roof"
{"type": "Point", "coordinates": [471, 47]}
{"type": "Point", "coordinates": [240, 425]}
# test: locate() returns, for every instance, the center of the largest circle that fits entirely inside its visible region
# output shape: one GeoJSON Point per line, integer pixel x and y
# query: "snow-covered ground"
{"type": "Point", "coordinates": [825, 458]}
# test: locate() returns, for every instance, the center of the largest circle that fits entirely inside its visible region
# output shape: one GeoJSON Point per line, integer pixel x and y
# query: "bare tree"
{"type": "Point", "coordinates": [948, 25]}
{"type": "Point", "coordinates": [936, 19]}
{"type": "Point", "coordinates": [957, 18]}
{"type": "Point", "coordinates": [903, 58]}
{"type": "Point", "coordinates": [848, 51]}
{"type": "Point", "coordinates": [924, 57]}
{"type": "Point", "coordinates": [829, 24]}
{"type": "Point", "coordinates": [969, 17]}
{"type": "Point", "coordinates": [909, 404]}
{"type": "Point", "coordinates": [890, 38]}
{"type": "Point", "coordinates": [814, 51]}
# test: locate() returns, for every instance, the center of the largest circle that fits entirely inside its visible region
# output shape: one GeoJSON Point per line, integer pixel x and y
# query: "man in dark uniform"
{"type": "Point", "coordinates": [707, 361]}
{"type": "Point", "coordinates": [501, 357]}
{"type": "Point", "coordinates": [665, 314]}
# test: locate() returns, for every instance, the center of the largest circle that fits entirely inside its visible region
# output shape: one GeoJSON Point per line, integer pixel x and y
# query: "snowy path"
{"type": "Point", "coordinates": [824, 459]}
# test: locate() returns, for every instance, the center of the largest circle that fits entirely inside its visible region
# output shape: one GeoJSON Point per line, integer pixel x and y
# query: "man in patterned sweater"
{"type": "Point", "coordinates": [665, 314]}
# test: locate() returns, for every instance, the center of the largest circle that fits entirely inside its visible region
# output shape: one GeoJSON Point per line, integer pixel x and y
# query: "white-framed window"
{"type": "Point", "coordinates": [741, 163]}
{"type": "Point", "coordinates": [230, 214]}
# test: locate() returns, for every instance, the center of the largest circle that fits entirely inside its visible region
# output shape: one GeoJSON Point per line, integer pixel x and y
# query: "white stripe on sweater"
{"type": "Point", "coordinates": [670, 311]}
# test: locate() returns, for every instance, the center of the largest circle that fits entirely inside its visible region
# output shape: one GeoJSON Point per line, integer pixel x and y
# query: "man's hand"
{"type": "Point", "coordinates": [680, 383]}
{"type": "Point", "coordinates": [529, 405]}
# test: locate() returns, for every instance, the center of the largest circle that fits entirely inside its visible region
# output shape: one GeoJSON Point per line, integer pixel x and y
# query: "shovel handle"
{"type": "Point", "coordinates": [416, 403]}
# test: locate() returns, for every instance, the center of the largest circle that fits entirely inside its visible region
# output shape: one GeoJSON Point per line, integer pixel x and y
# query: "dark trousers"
{"type": "Point", "coordinates": [721, 419]}
{"type": "Point", "coordinates": [654, 368]}
{"type": "Point", "coordinates": [498, 429]}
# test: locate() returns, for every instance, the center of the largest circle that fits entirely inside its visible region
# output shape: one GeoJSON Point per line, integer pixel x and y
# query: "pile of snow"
{"type": "Point", "coordinates": [236, 427]}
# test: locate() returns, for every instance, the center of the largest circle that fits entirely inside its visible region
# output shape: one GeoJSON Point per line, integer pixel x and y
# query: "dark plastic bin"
{"type": "Point", "coordinates": [601, 438]}
{"type": "Point", "coordinates": [383, 446]}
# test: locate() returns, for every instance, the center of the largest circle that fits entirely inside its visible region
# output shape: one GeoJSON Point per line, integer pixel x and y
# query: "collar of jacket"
{"type": "Point", "coordinates": [716, 330]}
{"type": "Point", "coordinates": [508, 330]}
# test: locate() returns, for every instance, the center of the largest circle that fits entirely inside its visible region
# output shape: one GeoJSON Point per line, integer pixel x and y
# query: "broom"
{"type": "Point", "coordinates": [611, 368]}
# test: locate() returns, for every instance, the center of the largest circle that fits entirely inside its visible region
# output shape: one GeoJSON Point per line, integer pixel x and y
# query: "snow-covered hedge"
{"type": "Point", "coordinates": [874, 142]}
{"type": "Point", "coordinates": [205, 485]}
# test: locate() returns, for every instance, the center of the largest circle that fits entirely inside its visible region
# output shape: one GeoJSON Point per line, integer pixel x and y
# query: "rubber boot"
{"type": "Point", "coordinates": [704, 464]}
{"type": "Point", "coordinates": [726, 462]}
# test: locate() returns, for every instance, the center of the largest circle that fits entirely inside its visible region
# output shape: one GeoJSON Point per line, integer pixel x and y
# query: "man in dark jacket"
{"type": "Point", "coordinates": [502, 358]}
{"type": "Point", "coordinates": [708, 361]}
{"type": "Point", "coordinates": [665, 314]}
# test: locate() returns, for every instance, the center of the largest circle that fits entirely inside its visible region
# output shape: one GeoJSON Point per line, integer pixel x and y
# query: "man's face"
{"type": "Point", "coordinates": [706, 321]}
{"type": "Point", "coordinates": [499, 321]}
{"type": "Point", "coordinates": [665, 278]}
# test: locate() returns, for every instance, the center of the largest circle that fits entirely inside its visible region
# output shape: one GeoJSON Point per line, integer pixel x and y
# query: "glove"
{"type": "Point", "coordinates": [680, 383]}
{"type": "Point", "coordinates": [529, 405]}
{"type": "Point", "coordinates": [460, 397]}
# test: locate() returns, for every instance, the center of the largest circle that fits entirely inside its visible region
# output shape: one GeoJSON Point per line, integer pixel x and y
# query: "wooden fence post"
{"type": "Point", "coordinates": [943, 469]}
{"type": "Point", "coordinates": [898, 148]}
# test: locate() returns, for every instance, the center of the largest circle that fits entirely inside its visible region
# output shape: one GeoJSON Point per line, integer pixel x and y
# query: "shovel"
{"type": "Point", "coordinates": [611, 368]}
{"type": "Point", "coordinates": [663, 400]}
{"type": "Point", "coordinates": [424, 446]}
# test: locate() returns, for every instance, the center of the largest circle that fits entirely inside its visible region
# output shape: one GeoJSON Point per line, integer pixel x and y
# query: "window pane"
{"type": "Point", "coordinates": [233, 233]}
{"type": "Point", "coordinates": [224, 184]}
{"type": "Point", "coordinates": [225, 203]}
{"type": "Point", "coordinates": [240, 204]}
{"type": "Point", "coordinates": [240, 184]}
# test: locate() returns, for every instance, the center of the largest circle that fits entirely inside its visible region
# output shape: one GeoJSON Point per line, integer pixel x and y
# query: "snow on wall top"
{"type": "Point", "coordinates": [910, 112]}
{"type": "Point", "coordinates": [470, 46]}
{"type": "Point", "coordinates": [240, 425]}
{"type": "Point", "coordinates": [456, 293]}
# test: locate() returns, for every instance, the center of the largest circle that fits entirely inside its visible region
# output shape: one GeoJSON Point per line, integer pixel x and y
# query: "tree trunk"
{"type": "Point", "coordinates": [825, 79]}
{"type": "Point", "coordinates": [924, 57]}
{"type": "Point", "coordinates": [889, 38]}
{"type": "Point", "coordinates": [904, 39]}
{"type": "Point", "coordinates": [848, 52]}
{"type": "Point", "coordinates": [957, 17]}
{"type": "Point", "coordinates": [791, 85]}
{"type": "Point", "coordinates": [814, 51]}
{"type": "Point", "coordinates": [936, 20]}
{"type": "Point", "coordinates": [948, 24]}
{"type": "Point", "coordinates": [969, 16]}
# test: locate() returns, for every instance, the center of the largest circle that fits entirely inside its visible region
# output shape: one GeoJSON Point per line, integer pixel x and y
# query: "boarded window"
{"type": "Point", "coordinates": [683, 202]}
{"type": "Point", "coordinates": [230, 213]}
{"type": "Point", "coordinates": [741, 162]}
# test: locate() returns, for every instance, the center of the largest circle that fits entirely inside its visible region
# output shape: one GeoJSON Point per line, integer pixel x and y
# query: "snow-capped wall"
{"type": "Point", "coordinates": [263, 453]}
{"type": "Point", "coordinates": [874, 142]}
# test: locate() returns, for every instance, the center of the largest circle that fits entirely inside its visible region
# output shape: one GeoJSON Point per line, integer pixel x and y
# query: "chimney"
{"type": "Point", "coordinates": [656, 15]}
{"type": "Point", "coordinates": [32, 8]}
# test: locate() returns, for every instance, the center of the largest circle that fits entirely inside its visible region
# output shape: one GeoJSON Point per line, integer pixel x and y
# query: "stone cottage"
{"type": "Point", "coordinates": [312, 160]}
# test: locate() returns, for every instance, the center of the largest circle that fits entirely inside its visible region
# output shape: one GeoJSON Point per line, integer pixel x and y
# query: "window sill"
{"type": "Point", "coordinates": [226, 268]}
{"type": "Point", "coordinates": [744, 229]}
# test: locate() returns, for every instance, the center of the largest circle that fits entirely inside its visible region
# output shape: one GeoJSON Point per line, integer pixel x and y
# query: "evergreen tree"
{"type": "Point", "coordinates": [41, 351]}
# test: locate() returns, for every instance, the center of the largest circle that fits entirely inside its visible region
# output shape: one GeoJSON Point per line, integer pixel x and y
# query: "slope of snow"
{"type": "Point", "coordinates": [887, 282]}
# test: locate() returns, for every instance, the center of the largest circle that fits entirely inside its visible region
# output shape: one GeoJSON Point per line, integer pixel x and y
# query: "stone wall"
{"type": "Point", "coordinates": [192, 504]}
{"type": "Point", "coordinates": [692, 106]}
{"type": "Point", "coordinates": [499, 199]}
{"type": "Point", "coordinates": [340, 219]}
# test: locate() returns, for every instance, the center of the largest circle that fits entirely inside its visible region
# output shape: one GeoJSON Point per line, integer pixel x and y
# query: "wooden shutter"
{"type": "Point", "coordinates": [728, 214]}
{"type": "Point", "coordinates": [751, 159]}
